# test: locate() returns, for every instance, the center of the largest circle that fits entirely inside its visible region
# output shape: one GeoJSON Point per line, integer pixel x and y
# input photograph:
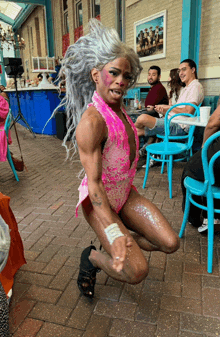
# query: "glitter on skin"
{"type": "Point", "coordinates": [143, 211]}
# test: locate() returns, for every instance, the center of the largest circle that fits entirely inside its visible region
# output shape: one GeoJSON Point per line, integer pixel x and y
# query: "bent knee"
{"type": "Point", "coordinates": [172, 245]}
{"type": "Point", "coordinates": [137, 273]}
{"type": "Point", "coordinates": [142, 119]}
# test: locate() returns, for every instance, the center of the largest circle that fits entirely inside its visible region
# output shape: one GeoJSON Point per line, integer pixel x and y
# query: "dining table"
{"type": "Point", "coordinates": [190, 121]}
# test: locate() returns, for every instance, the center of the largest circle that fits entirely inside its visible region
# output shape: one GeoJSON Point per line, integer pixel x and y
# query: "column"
{"type": "Point", "coordinates": [2, 76]}
{"type": "Point", "coordinates": [49, 28]}
{"type": "Point", "coordinates": [191, 22]}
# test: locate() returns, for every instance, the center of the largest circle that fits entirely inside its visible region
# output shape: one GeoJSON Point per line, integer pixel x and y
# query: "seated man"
{"type": "Point", "coordinates": [191, 93]}
{"type": "Point", "coordinates": [157, 93]}
{"type": "Point", "coordinates": [194, 169]}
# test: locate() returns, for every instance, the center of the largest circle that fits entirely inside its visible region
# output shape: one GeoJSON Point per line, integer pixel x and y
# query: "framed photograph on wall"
{"type": "Point", "coordinates": [150, 37]}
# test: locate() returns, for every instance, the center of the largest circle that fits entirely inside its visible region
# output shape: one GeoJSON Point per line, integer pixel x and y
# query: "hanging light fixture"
{"type": "Point", "coordinates": [9, 39]}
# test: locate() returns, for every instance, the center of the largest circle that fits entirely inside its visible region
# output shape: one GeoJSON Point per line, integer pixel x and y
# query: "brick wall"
{"type": "Point", "coordinates": [31, 39]}
{"type": "Point", "coordinates": [209, 62]}
{"type": "Point", "coordinates": [143, 9]}
{"type": "Point", "coordinates": [210, 37]}
{"type": "Point", "coordinates": [209, 70]}
{"type": "Point", "coordinates": [108, 13]}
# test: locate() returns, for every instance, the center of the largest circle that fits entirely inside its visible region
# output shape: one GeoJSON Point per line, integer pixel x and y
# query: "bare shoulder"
{"type": "Point", "coordinates": [91, 128]}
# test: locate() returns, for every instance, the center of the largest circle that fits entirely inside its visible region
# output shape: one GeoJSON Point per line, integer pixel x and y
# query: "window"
{"type": "Point", "coordinates": [65, 5]}
{"type": "Point", "coordinates": [30, 38]}
{"type": "Point", "coordinates": [65, 17]}
{"type": "Point", "coordinates": [37, 29]}
{"type": "Point", "coordinates": [95, 8]}
{"type": "Point", "coordinates": [66, 23]}
{"type": "Point", "coordinates": [79, 13]}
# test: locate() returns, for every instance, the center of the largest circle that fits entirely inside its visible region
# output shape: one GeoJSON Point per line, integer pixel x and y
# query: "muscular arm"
{"type": "Point", "coordinates": [213, 125]}
{"type": "Point", "coordinates": [90, 134]}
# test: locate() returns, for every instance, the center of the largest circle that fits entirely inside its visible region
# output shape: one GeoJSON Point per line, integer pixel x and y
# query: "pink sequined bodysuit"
{"type": "Point", "coordinates": [117, 175]}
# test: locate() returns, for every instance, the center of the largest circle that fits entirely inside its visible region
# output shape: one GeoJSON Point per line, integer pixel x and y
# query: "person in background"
{"type": "Point", "coordinates": [175, 85]}
{"type": "Point", "coordinates": [157, 94]}
{"type": "Point", "coordinates": [40, 76]}
{"type": "Point", "coordinates": [192, 93]}
{"type": "Point", "coordinates": [4, 109]}
{"type": "Point", "coordinates": [194, 169]}
{"type": "Point", "coordinates": [3, 93]}
{"type": "Point", "coordinates": [54, 76]}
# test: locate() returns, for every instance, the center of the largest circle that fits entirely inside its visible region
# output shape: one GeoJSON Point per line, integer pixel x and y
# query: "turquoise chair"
{"type": "Point", "coordinates": [204, 189]}
{"type": "Point", "coordinates": [7, 126]}
{"type": "Point", "coordinates": [189, 153]}
{"type": "Point", "coordinates": [167, 149]}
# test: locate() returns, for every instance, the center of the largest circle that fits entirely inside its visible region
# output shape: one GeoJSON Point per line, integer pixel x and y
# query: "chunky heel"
{"type": "Point", "coordinates": [87, 274]}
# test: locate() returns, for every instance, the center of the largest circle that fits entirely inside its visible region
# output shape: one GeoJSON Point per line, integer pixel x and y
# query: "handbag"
{"type": "Point", "coordinates": [18, 163]}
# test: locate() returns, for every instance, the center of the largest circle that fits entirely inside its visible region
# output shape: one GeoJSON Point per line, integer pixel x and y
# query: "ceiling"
{"type": "Point", "coordinates": [10, 9]}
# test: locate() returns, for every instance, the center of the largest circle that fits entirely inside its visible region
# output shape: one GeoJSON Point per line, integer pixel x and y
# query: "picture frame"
{"type": "Point", "coordinates": [150, 37]}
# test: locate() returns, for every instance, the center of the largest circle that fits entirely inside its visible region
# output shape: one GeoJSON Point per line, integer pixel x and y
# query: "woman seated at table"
{"type": "Point", "coordinates": [194, 169]}
{"type": "Point", "coordinates": [4, 109]}
{"type": "Point", "coordinates": [176, 85]}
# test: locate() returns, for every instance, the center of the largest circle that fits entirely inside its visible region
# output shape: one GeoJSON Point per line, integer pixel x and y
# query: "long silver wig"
{"type": "Point", "coordinates": [94, 50]}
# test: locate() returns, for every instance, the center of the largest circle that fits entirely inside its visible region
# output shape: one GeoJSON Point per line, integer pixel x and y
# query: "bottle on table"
{"type": "Point", "coordinates": [136, 101]}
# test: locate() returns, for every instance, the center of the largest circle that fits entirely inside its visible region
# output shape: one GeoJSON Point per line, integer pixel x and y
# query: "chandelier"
{"type": "Point", "coordinates": [9, 39]}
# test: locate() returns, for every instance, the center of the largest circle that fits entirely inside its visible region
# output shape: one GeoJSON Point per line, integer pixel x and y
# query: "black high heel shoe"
{"type": "Point", "coordinates": [87, 273]}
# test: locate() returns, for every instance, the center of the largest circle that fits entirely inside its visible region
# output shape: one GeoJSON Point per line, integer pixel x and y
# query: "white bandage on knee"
{"type": "Point", "coordinates": [113, 232]}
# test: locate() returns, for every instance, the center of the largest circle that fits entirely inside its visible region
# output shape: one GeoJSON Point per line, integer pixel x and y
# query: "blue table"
{"type": "Point", "coordinates": [37, 106]}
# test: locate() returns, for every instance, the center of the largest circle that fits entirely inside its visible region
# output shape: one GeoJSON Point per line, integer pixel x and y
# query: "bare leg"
{"type": "Point", "coordinates": [135, 266]}
{"type": "Point", "coordinates": [144, 121]}
{"type": "Point", "coordinates": [152, 230]}
{"type": "Point", "coordinates": [143, 243]}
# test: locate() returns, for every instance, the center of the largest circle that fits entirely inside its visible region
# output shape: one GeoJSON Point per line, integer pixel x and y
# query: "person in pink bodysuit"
{"type": "Point", "coordinates": [98, 70]}
{"type": "Point", "coordinates": [117, 171]}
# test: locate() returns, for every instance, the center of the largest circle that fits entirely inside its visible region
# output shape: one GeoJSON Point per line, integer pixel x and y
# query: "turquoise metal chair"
{"type": "Point", "coordinates": [167, 149]}
{"type": "Point", "coordinates": [7, 126]}
{"type": "Point", "coordinates": [204, 189]}
{"type": "Point", "coordinates": [181, 138]}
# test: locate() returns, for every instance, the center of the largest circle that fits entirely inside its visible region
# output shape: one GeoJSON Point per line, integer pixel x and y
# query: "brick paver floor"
{"type": "Point", "coordinates": [178, 298]}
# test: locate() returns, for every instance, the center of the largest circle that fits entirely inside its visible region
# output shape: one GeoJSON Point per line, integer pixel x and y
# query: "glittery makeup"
{"type": "Point", "coordinates": [144, 212]}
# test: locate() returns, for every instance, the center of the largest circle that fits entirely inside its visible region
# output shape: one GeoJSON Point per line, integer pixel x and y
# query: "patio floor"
{"type": "Point", "coordinates": [178, 298]}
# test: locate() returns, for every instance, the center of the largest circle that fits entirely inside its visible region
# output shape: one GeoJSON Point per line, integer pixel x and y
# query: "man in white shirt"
{"type": "Point", "coordinates": [192, 93]}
